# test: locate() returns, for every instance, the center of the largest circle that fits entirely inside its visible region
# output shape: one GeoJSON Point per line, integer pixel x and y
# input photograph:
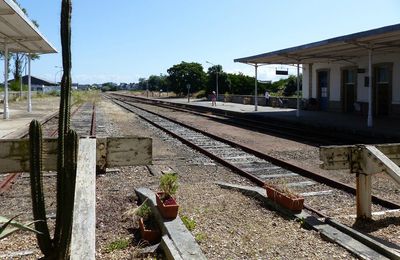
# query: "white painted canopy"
{"type": "Point", "coordinates": [344, 48]}
{"type": "Point", "coordinates": [18, 31]}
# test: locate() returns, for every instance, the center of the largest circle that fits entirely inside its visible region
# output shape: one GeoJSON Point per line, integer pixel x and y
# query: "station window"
{"type": "Point", "coordinates": [350, 77]}
{"type": "Point", "coordinates": [382, 76]}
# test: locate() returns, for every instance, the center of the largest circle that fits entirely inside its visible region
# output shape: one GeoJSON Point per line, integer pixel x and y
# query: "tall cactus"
{"type": "Point", "coordinates": [64, 118]}
{"type": "Point", "coordinates": [39, 210]}
{"type": "Point", "coordinates": [58, 248]}
{"type": "Point", "coordinates": [68, 190]}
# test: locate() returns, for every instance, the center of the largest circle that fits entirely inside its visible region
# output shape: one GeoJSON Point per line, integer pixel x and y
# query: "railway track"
{"type": "Point", "coordinates": [83, 120]}
{"type": "Point", "coordinates": [297, 132]}
{"type": "Point", "coordinates": [254, 165]}
{"type": "Point", "coordinates": [324, 197]}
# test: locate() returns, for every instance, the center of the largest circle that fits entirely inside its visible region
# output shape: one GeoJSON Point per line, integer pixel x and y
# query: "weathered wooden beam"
{"type": "Point", "coordinates": [83, 240]}
{"type": "Point", "coordinates": [376, 162]}
{"type": "Point", "coordinates": [110, 152]}
{"type": "Point", "coordinates": [363, 160]}
{"type": "Point", "coordinates": [335, 157]}
{"type": "Point", "coordinates": [339, 157]}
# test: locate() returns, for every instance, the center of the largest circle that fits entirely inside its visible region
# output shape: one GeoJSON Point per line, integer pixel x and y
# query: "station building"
{"type": "Point", "coordinates": [337, 72]}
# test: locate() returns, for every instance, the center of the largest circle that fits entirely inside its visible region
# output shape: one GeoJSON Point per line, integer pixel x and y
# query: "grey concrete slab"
{"type": "Point", "coordinates": [262, 169]}
{"type": "Point", "coordinates": [181, 238]}
{"type": "Point", "coordinates": [379, 247]}
{"type": "Point", "coordinates": [300, 184]}
{"type": "Point", "coordinates": [274, 176]}
{"type": "Point", "coordinates": [169, 249]}
{"type": "Point", "coordinates": [316, 193]}
{"type": "Point", "coordinates": [328, 232]}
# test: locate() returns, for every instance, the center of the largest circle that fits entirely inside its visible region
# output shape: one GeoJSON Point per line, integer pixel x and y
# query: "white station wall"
{"type": "Point", "coordinates": [335, 77]}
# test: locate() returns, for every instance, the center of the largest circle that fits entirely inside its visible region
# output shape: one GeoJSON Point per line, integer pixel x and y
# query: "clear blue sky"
{"type": "Point", "coordinates": [122, 40]}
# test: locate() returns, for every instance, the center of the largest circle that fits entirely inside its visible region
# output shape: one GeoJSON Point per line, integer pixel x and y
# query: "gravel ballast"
{"type": "Point", "coordinates": [228, 225]}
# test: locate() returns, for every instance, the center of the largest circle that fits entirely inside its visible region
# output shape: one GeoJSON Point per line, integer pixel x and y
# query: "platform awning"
{"type": "Point", "coordinates": [344, 48]}
{"type": "Point", "coordinates": [19, 33]}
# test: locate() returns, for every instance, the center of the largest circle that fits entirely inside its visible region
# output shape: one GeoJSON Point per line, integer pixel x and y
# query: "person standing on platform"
{"type": "Point", "coordinates": [266, 98]}
{"type": "Point", "coordinates": [213, 99]}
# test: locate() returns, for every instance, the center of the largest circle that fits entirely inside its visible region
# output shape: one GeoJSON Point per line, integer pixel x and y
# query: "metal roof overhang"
{"type": "Point", "coordinates": [344, 48]}
{"type": "Point", "coordinates": [18, 31]}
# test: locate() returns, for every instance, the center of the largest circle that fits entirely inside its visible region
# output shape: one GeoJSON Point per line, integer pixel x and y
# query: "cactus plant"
{"type": "Point", "coordinates": [38, 206]}
{"type": "Point", "coordinates": [58, 247]}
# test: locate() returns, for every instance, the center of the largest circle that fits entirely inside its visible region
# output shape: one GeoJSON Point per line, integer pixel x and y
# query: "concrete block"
{"type": "Point", "coordinates": [183, 240]}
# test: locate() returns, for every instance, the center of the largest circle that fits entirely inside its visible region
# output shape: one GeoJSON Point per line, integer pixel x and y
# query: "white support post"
{"type": "Point", "coordinates": [364, 196]}
{"type": "Point", "coordinates": [255, 88]}
{"type": "Point", "coordinates": [6, 114]}
{"type": "Point", "coordinates": [370, 123]}
{"type": "Point", "coordinates": [298, 90]}
{"type": "Point", "coordinates": [29, 85]}
{"type": "Point", "coordinates": [216, 85]}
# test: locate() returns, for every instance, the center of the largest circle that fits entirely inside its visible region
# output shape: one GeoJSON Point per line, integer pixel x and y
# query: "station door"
{"type": "Point", "coordinates": [323, 89]}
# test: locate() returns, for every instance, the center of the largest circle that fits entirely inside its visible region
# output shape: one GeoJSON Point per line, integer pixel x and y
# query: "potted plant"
{"type": "Point", "coordinates": [284, 197]}
{"type": "Point", "coordinates": [148, 228]}
{"type": "Point", "coordinates": [166, 203]}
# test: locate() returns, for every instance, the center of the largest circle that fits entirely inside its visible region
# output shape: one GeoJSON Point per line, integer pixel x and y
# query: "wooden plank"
{"type": "Point", "coordinates": [111, 152]}
{"type": "Point", "coordinates": [126, 151]}
{"type": "Point", "coordinates": [338, 157]}
{"type": "Point", "coordinates": [83, 240]}
{"type": "Point", "coordinates": [14, 155]}
{"type": "Point", "coordinates": [335, 157]}
{"type": "Point", "coordinates": [376, 162]}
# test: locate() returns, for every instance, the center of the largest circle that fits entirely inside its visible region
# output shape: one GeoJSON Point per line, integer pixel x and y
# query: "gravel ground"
{"type": "Point", "coordinates": [228, 225]}
{"type": "Point", "coordinates": [307, 157]}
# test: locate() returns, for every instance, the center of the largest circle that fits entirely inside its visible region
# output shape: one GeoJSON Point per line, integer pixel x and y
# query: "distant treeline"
{"type": "Point", "coordinates": [185, 74]}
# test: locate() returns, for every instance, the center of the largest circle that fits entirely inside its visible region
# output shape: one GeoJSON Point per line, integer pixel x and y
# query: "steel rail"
{"type": "Point", "coordinates": [311, 135]}
{"type": "Point", "coordinates": [11, 178]}
{"type": "Point", "coordinates": [93, 121]}
{"type": "Point", "coordinates": [281, 163]}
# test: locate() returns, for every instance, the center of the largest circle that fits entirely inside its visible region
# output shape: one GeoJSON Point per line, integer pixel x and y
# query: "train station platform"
{"type": "Point", "coordinates": [387, 126]}
{"type": "Point", "coordinates": [20, 118]}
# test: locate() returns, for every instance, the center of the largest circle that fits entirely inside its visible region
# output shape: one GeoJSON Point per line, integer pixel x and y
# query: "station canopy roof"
{"type": "Point", "coordinates": [344, 48]}
{"type": "Point", "coordinates": [18, 31]}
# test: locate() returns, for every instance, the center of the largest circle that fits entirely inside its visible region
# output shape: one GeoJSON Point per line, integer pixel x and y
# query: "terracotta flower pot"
{"type": "Point", "coordinates": [148, 234]}
{"type": "Point", "coordinates": [169, 211]}
{"type": "Point", "coordinates": [289, 201]}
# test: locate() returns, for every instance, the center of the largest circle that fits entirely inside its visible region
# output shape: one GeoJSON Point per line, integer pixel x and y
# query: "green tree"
{"type": "Point", "coordinates": [291, 85]}
{"type": "Point", "coordinates": [241, 84]}
{"type": "Point", "coordinates": [142, 83]}
{"type": "Point", "coordinates": [157, 83]}
{"type": "Point", "coordinates": [180, 75]}
{"type": "Point", "coordinates": [223, 81]}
